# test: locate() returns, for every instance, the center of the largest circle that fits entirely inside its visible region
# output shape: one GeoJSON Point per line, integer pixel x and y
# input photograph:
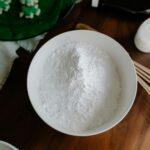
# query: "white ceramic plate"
{"type": "Point", "coordinates": [116, 51]}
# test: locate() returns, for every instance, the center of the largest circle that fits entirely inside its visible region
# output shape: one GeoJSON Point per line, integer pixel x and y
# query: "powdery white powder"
{"type": "Point", "coordinates": [79, 87]}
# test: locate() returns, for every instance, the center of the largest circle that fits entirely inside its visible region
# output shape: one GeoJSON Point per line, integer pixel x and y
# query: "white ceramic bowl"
{"type": "Point", "coordinates": [6, 146]}
{"type": "Point", "coordinates": [116, 51]}
{"type": "Point", "coordinates": [142, 37]}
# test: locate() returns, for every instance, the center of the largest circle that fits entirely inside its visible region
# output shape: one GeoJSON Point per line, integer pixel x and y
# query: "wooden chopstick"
{"type": "Point", "coordinates": [142, 73]}
{"type": "Point", "coordinates": [146, 70]}
{"type": "Point", "coordinates": [143, 84]}
{"type": "Point", "coordinates": [142, 76]}
{"type": "Point", "coordinates": [138, 66]}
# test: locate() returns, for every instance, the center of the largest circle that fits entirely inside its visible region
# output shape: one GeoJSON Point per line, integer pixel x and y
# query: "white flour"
{"type": "Point", "coordinates": [79, 87]}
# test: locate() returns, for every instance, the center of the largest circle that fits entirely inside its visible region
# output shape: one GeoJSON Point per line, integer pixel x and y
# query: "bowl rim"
{"type": "Point", "coordinates": [8, 145]}
{"type": "Point", "coordinates": [100, 130]}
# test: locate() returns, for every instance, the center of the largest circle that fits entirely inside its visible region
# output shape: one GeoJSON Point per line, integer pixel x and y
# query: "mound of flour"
{"type": "Point", "coordinates": [79, 87]}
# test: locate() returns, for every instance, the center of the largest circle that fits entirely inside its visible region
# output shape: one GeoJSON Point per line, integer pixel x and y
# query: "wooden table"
{"type": "Point", "coordinates": [21, 126]}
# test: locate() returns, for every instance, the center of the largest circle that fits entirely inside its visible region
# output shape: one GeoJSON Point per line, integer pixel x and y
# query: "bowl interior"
{"type": "Point", "coordinates": [120, 57]}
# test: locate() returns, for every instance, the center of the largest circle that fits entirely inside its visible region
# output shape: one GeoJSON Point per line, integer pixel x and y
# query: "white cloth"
{"type": "Point", "coordinates": [8, 54]}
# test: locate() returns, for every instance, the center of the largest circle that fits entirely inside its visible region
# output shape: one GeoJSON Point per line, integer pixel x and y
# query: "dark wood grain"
{"type": "Point", "coordinates": [20, 125]}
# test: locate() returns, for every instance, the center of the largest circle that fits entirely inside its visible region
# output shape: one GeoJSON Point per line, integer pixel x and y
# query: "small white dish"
{"type": "Point", "coordinates": [6, 146]}
{"type": "Point", "coordinates": [95, 3]}
{"type": "Point", "coordinates": [142, 37]}
{"type": "Point", "coordinates": [116, 51]}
